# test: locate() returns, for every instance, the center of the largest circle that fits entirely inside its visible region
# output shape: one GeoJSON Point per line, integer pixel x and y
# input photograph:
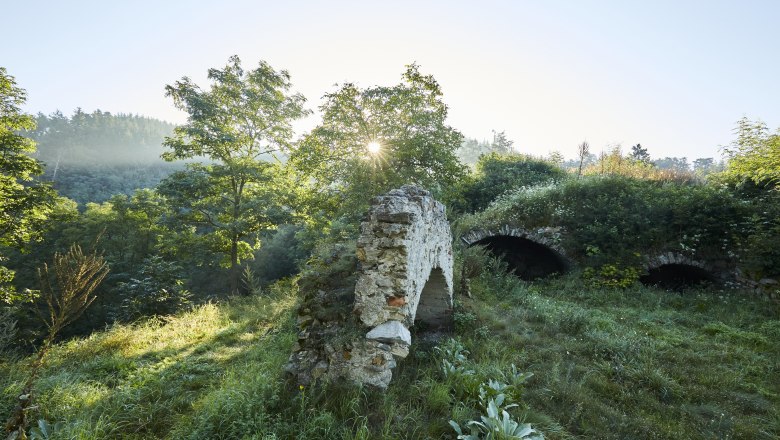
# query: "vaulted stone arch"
{"type": "Point", "coordinates": [404, 280]}
{"type": "Point", "coordinates": [529, 254]}
{"type": "Point", "coordinates": [405, 249]}
{"type": "Point", "coordinates": [675, 271]}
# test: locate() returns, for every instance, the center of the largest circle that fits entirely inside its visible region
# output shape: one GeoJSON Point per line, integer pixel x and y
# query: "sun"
{"type": "Point", "coordinates": [374, 147]}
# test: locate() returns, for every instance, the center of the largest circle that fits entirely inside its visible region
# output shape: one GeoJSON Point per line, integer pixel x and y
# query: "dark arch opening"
{"type": "Point", "coordinates": [676, 276]}
{"type": "Point", "coordinates": [433, 311]}
{"type": "Point", "coordinates": [527, 259]}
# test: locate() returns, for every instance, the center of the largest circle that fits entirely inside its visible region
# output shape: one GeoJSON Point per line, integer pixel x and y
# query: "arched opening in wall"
{"type": "Point", "coordinates": [434, 312]}
{"type": "Point", "coordinates": [527, 259]}
{"type": "Point", "coordinates": [676, 276]}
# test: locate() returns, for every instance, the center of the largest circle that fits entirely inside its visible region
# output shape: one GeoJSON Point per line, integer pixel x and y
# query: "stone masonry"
{"type": "Point", "coordinates": [404, 279]}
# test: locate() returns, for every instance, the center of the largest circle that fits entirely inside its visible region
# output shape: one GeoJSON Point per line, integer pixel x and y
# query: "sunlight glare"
{"type": "Point", "coordinates": [374, 147]}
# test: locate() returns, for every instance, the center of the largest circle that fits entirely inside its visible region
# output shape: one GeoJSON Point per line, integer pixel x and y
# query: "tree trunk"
{"type": "Point", "coordinates": [234, 268]}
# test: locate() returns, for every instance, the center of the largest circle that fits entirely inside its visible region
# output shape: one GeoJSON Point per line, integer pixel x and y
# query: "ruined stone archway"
{"type": "Point", "coordinates": [434, 312]}
{"type": "Point", "coordinates": [529, 254]}
{"type": "Point", "coordinates": [677, 272]}
{"type": "Point", "coordinates": [404, 279]}
{"type": "Point", "coordinates": [404, 238]}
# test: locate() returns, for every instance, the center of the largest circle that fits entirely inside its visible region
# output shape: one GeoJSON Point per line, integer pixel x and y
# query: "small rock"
{"type": "Point", "coordinates": [401, 350]}
{"type": "Point", "coordinates": [392, 332]}
{"type": "Point", "coordinates": [319, 369]}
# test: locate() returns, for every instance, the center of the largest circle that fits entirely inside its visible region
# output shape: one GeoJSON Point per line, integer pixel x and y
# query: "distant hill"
{"type": "Point", "coordinates": [99, 138]}
{"type": "Point", "coordinates": [91, 156]}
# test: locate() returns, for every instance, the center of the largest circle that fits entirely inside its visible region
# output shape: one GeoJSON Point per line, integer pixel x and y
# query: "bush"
{"type": "Point", "coordinates": [610, 276]}
{"type": "Point", "coordinates": [498, 173]}
{"type": "Point", "coordinates": [625, 219]}
{"type": "Point", "coordinates": [157, 289]}
{"type": "Point", "coordinates": [280, 255]}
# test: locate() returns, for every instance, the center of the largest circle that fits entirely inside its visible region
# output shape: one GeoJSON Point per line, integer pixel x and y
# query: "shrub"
{"type": "Point", "coordinates": [624, 218]}
{"type": "Point", "coordinates": [157, 289]}
{"type": "Point", "coordinates": [497, 424]}
{"type": "Point", "coordinates": [498, 173]}
{"type": "Point", "coordinates": [610, 276]}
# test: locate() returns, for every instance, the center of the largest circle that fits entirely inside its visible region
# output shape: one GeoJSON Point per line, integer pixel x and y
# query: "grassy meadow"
{"type": "Point", "coordinates": [637, 363]}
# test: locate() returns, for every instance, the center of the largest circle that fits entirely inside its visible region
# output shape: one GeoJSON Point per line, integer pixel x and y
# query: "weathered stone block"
{"type": "Point", "coordinates": [390, 331]}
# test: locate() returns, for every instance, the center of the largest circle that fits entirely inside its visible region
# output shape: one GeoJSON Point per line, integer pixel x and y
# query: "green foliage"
{"type": "Point", "coordinates": [157, 290]}
{"type": "Point", "coordinates": [128, 231]}
{"type": "Point", "coordinates": [242, 117]}
{"type": "Point", "coordinates": [679, 164]}
{"type": "Point", "coordinates": [91, 157]}
{"type": "Point", "coordinates": [99, 183]}
{"type": "Point", "coordinates": [759, 254]}
{"type": "Point", "coordinates": [640, 154]}
{"type": "Point", "coordinates": [45, 430]}
{"type": "Point", "coordinates": [496, 174]}
{"type": "Point", "coordinates": [636, 164]}
{"type": "Point", "coordinates": [497, 424]}
{"type": "Point", "coordinates": [67, 287]}
{"type": "Point", "coordinates": [281, 255]}
{"type": "Point", "coordinates": [625, 218]}
{"type": "Point", "coordinates": [96, 139]}
{"type": "Point", "coordinates": [754, 157]}
{"type": "Point", "coordinates": [610, 276]}
{"type": "Point", "coordinates": [8, 329]}
{"type": "Point", "coordinates": [24, 204]}
{"type": "Point", "coordinates": [644, 364]}
{"type": "Point", "coordinates": [407, 120]}
{"type": "Point", "coordinates": [197, 198]}
{"type": "Point", "coordinates": [471, 150]}
{"type": "Point", "coordinates": [454, 357]}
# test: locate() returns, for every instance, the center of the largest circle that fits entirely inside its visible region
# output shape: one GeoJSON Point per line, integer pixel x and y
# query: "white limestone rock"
{"type": "Point", "coordinates": [392, 332]}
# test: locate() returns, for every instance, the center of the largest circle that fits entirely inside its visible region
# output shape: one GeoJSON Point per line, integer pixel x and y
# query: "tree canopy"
{"type": "Point", "coordinates": [754, 156]}
{"type": "Point", "coordinates": [244, 117]}
{"type": "Point", "coordinates": [496, 174]}
{"type": "Point", "coordinates": [24, 203]}
{"type": "Point", "coordinates": [374, 139]}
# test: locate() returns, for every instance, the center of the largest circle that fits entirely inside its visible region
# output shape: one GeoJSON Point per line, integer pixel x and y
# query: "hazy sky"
{"type": "Point", "coordinates": [671, 75]}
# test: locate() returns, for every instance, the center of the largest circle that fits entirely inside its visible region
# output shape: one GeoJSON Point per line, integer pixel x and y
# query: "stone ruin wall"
{"type": "Point", "coordinates": [406, 237]}
{"type": "Point", "coordinates": [405, 272]}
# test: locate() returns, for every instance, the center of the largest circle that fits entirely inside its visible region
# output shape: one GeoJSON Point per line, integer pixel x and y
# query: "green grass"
{"type": "Point", "coordinates": [638, 363]}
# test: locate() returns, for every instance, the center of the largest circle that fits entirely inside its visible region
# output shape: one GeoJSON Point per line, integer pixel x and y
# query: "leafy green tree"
{"type": "Point", "coordinates": [640, 154]}
{"type": "Point", "coordinates": [375, 139]}
{"type": "Point", "coordinates": [672, 163]}
{"type": "Point", "coordinates": [24, 203]}
{"type": "Point", "coordinates": [501, 143]}
{"type": "Point", "coordinates": [496, 174]}
{"type": "Point", "coordinates": [244, 117]}
{"type": "Point", "coordinates": [754, 156]}
{"type": "Point", "coordinates": [157, 289]}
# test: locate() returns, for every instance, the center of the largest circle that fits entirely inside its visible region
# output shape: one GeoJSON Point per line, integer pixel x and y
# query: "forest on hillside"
{"type": "Point", "coordinates": [123, 238]}
{"type": "Point", "coordinates": [90, 157]}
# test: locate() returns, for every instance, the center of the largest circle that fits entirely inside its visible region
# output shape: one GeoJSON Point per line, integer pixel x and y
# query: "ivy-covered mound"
{"type": "Point", "coordinates": [618, 225]}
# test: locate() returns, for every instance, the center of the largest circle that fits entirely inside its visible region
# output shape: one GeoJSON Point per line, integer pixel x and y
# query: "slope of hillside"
{"type": "Point", "coordinates": [636, 363]}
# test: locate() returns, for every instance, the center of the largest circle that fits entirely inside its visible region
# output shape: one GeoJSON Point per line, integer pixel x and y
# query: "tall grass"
{"type": "Point", "coordinates": [638, 363]}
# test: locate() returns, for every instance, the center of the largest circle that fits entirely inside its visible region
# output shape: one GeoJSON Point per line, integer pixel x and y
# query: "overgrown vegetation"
{"type": "Point", "coordinates": [66, 290]}
{"type": "Point", "coordinates": [188, 335]}
{"type": "Point", "coordinates": [622, 221]}
{"type": "Point", "coordinates": [637, 363]}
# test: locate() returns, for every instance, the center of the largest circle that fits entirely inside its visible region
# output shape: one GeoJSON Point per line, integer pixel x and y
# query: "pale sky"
{"type": "Point", "coordinates": [672, 75]}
